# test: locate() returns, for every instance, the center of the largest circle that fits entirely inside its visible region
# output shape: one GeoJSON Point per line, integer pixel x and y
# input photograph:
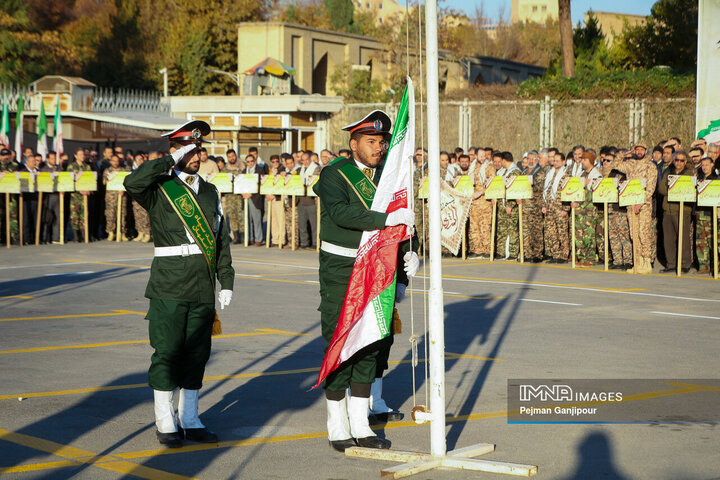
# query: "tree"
{"type": "Point", "coordinates": [669, 37]}
{"type": "Point", "coordinates": [566, 38]}
{"type": "Point", "coordinates": [356, 86]}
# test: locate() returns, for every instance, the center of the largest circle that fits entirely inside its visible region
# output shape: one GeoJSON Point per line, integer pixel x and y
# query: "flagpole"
{"type": "Point", "coordinates": [435, 309]}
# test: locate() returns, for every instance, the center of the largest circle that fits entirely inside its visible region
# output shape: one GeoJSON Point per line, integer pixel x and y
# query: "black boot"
{"type": "Point", "coordinates": [236, 234]}
{"type": "Point", "coordinates": [79, 238]}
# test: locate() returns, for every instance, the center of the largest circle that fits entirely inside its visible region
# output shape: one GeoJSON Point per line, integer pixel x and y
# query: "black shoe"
{"type": "Point", "coordinates": [560, 260]}
{"type": "Point", "coordinates": [385, 417]}
{"type": "Point", "coordinates": [200, 435]}
{"type": "Point", "coordinates": [536, 260]}
{"type": "Point", "coordinates": [373, 442]}
{"type": "Point", "coordinates": [685, 270]}
{"type": "Point", "coordinates": [628, 266]}
{"type": "Point", "coordinates": [170, 440]}
{"type": "Point", "coordinates": [667, 270]}
{"type": "Point", "coordinates": [612, 266]}
{"type": "Point", "coordinates": [341, 445]}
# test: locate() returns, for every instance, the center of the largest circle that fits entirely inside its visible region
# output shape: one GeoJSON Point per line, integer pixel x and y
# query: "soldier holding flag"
{"type": "Point", "coordinates": [347, 189]}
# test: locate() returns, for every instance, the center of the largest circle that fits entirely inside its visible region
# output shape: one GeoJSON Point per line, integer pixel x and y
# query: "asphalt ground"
{"type": "Point", "coordinates": [74, 355]}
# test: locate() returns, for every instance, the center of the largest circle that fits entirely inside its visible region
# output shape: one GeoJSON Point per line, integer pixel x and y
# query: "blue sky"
{"type": "Point", "coordinates": [577, 7]}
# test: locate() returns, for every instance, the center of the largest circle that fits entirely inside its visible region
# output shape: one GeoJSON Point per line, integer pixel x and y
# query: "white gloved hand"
{"type": "Point", "coordinates": [412, 263]}
{"type": "Point", "coordinates": [180, 153]}
{"type": "Point", "coordinates": [399, 292]}
{"type": "Point", "coordinates": [224, 297]}
{"type": "Point", "coordinates": [402, 216]}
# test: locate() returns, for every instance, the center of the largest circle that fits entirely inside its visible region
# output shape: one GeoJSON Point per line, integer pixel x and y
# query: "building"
{"type": "Point", "coordinates": [533, 10]}
{"type": "Point", "coordinates": [611, 24]}
{"type": "Point", "coordinates": [382, 9]}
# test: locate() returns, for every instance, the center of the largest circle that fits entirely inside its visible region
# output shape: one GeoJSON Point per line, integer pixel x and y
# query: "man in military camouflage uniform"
{"type": "Point", "coordinates": [618, 228]}
{"type": "Point", "coordinates": [481, 211]}
{"type": "Point", "coordinates": [8, 165]}
{"type": "Point", "coordinates": [77, 209]}
{"type": "Point", "coordinates": [508, 240]}
{"type": "Point", "coordinates": [556, 213]}
{"type": "Point", "coordinates": [291, 168]}
{"type": "Point", "coordinates": [532, 209]}
{"type": "Point", "coordinates": [704, 224]}
{"type": "Point", "coordinates": [640, 216]}
{"type": "Point", "coordinates": [419, 174]}
{"type": "Point", "coordinates": [232, 203]}
{"type": "Point", "coordinates": [586, 215]}
{"type": "Point", "coordinates": [142, 220]}
{"type": "Point", "coordinates": [113, 200]}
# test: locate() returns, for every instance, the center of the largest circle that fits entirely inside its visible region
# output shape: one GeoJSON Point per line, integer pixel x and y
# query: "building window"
{"type": "Point", "coordinates": [534, 9]}
{"type": "Point", "coordinates": [380, 5]}
{"type": "Point", "coordinates": [380, 19]}
{"type": "Point", "coordinates": [544, 8]}
{"type": "Point", "coordinates": [367, 5]}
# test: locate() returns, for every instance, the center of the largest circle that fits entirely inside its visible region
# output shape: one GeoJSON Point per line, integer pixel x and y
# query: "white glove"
{"type": "Point", "coordinates": [224, 297]}
{"type": "Point", "coordinates": [412, 263]}
{"type": "Point", "coordinates": [399, 292]}
{"type": "Point", "coordinates": [180, 153]}
{"type": "Point", "coordinates": [402, 216]}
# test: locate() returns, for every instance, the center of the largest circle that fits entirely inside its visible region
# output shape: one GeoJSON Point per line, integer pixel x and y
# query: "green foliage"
{"type": "Point", "coordinates": [669, 38]}
{"type": "Point", "coordinates": [356, 86]}
{"type": "Point", "coordinates": [614, 84]}
{"type": "Point", "coordinates": [341, 14]}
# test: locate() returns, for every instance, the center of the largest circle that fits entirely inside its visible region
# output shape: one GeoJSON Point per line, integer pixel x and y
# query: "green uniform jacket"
{"type": "Point", "coordinates": [343, 218]}
{"type": "Point", "coordinates": [178, 278]}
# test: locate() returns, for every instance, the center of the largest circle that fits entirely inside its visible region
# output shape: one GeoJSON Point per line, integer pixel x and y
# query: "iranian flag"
{"type": "Point", "coordinates": [19, 129]}
{"type": "Point", "coordinates": [5, 125]}
{"type": "Point", "coordinates": [42, 132]}
{"type": "Point", "coordinates": [57, 130]}
{"type": "Point", "coordinates": [367, 310]}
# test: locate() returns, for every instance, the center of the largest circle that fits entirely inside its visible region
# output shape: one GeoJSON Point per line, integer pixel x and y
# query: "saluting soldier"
{"type": "Point", "coordinates": [192, 250]}
{"type": "Point", "coordinates": [344, 217]}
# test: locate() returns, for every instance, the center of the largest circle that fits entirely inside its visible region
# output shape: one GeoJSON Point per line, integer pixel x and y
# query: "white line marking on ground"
{"type": "Point", "coordinates": [548, 301]}
{"type": "Point", "coordinates": [596, 290]}
{"type": "Point", "coordinates": [686, 315]}
{"type": "Point", "coordinates": [247, 275]}
{"type": "Point", "coordinates": [312, 281]}
{"type": "Point", "coordinates": [306, 267]}
{"type": "Point", "coordinates": [425, 291]}
{"type": "Point", "coordinates": [67, 273]}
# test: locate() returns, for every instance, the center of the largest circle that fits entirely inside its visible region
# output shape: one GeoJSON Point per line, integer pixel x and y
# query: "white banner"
{"type": "Point", "coordinates": [707, 118]}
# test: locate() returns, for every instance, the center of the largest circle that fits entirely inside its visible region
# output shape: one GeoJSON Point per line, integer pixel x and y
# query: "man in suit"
{"type": "Point", "coordinates": [256, 203]}
{"type": "Point", "coordinates": [192, 251]}
{"type": "Point", "coordinates": [344, 217]}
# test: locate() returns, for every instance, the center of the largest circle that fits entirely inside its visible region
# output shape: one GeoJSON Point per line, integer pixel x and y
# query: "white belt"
{"type": "Point", "coordinates": [178, 251]}
{"type": "Point", "coordinates": [338, 250]}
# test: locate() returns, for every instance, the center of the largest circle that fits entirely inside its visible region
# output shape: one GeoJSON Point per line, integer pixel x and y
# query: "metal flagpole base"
{"type": "Point", "coordinates": [459, 459]}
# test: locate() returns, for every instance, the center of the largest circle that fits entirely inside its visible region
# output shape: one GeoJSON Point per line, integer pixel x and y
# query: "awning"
{"type": "Point", "coordinates": [272, 66]}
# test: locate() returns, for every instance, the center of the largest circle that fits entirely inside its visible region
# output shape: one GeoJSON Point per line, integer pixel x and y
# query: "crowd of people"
{"type": "Point", "coordinates": [640, 236]}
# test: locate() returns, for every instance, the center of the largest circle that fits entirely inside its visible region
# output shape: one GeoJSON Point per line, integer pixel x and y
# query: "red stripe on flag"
{"type": "Point", "coordinates": [372, 273]}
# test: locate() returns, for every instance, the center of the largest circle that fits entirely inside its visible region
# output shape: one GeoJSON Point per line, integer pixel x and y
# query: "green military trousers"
{"type": "Point", "coordinates": [180, 333]}
{"type": "Point", "coordinates": [366, 364]}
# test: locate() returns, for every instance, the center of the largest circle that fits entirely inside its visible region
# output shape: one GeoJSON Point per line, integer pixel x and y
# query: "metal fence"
{"type": "Point", "coordinates": [519, 126]}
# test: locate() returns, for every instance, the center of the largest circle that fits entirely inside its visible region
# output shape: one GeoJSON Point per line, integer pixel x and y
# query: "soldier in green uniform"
{"type": "Point", "coordinates": [77, 210]}
{"type": "Point", "coordinates": [587, 219]}
{"type": "Point", "coordinates": [344, 217]}
{"type": "Point", "coordinates": [8, 165]}
{"type": "Point", "coordinates": [192, 250]}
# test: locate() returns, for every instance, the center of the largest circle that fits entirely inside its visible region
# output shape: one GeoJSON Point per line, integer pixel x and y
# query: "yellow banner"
{"type": "Point", "coordinates": [495, 189]}
{"type": "Point", "coordinates": [311, 181]}
{"type": "Point", "coordinates": [573, 190]}
{"type": "Point", "coordinates": [27, 182]}
{"type": "Point", "coordinates": [45, 182]}
{"type": "Point", "coordinates": [606, 191]}
{"type": "Point", "coordinates": [115, 181]}
{"type": "Point", "coordinates": [519, 188]}
{"type": "Point", "coordinates": [223, 182]}
{"type": "Point", "coordinates": [424, 188]}
{"type": "Point", "coordinates": [65, 182]}
{"type": "Point", "coordinates": [294, 185]}
{"type": "Point", "coordinates": [631, 192]}
{"type": "Point", "coordinates": [246, 183]}
{"type": "Point", "coordinates": [709, 193]}
{"type": "Point", "coordinates": [9, 182]}
{"type": "Point", "coordinates": [268, 184]}
{"type": "Point", "coordinates": [86, 182]}
{"type": "Point", "coordinates": [681, 188]}
{"type": "Point", "coordinates": [464, 186]}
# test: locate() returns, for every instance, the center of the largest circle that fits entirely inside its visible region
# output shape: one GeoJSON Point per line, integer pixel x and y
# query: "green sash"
{"type": "Point", "coordinates": [185, 205]}
{"type": "Point", "coordinates": [364, 187]}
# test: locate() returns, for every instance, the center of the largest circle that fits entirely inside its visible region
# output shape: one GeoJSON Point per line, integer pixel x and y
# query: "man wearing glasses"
{"type": "Point", "coordinates": [671, 218]}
